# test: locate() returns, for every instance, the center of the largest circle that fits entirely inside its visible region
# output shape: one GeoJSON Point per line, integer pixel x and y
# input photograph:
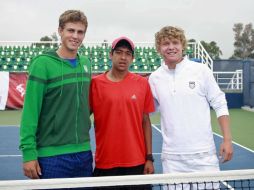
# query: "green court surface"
{"type": "Point", "coordinates": [242, 124]}
{"type": "Point", "coordinates": [10, 117]}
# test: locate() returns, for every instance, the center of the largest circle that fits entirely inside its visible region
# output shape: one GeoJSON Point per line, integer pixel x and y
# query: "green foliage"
{"type": "Point", "coordinates": [52, 38]}
{"type": "Point", "coordinates": [46, 38]}
{"type": "Point", "coordinates": [191, 40]}
{"type": "Point", "coordinates": [244, 41]}
{"type": "Point", "coordinates": [212, 49]}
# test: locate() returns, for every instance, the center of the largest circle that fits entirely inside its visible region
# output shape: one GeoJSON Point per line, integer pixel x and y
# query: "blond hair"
{"type": "Point", "coordinates": [170, 32]}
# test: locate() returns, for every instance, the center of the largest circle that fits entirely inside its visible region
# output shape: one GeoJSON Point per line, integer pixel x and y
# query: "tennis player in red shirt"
{"type": "Point", "coordinates": [121, 102]}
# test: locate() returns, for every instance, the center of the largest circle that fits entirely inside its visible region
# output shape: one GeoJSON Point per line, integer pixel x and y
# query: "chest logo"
{"type": "Point", "coordinates": [192, 84]}
{"type": "Point", "coordinates": [133, 97]}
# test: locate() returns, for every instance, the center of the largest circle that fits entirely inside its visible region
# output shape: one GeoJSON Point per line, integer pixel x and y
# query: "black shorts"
{"type": "Point", "coordinates": [120, 171]}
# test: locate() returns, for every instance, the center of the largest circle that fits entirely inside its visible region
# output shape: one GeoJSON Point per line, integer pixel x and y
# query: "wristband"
{"type": "Point", "coordinates": [150, 157]}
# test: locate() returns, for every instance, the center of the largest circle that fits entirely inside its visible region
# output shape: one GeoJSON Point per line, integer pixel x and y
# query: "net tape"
{"type": "Point", "coordinates": [177, 178]}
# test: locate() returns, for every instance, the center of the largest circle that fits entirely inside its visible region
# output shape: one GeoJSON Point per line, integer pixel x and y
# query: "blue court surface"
{"type": "Point", "coordinates": [11, 160]}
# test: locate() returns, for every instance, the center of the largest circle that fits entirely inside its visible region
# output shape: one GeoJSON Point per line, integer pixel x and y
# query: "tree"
{"type": "Point", "coordinates": [52, 38]}
{"type": "Point", "coordinates": [212, 49]}
{"type": "Point", "coordinates": [45, 39]}
{"type": "Point", "coordinates": [244, 41]}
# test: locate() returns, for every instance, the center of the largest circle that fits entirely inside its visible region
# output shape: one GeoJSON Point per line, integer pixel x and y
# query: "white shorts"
{"type": "Point", "coordinates": [208, 161]}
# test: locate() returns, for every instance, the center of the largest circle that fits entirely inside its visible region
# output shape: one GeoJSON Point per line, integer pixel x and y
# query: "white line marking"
{"type": "Point", "coordinates": [236, 144]}
{"type": "Point", "coordinates": [154, 126]}
{"type": "Point", "coordinates": [9, 125]}
{"type": "Point", "coordinates": [248, 149]}
{"type": "Point", "coordinates": [3, 156]}
{"type": "Point", "coordinates": [227, 185]}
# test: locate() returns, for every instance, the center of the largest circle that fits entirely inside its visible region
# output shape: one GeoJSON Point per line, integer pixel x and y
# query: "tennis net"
{"type": "Point", "coordinates": [231, 179]}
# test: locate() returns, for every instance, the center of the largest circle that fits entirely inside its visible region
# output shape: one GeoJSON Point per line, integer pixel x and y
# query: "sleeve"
{"type": "Point", "coordinates": [152, 87]}
{"type": "Point", "coordinates": [214, 95]}
{"type": "Point", "coordinates": [149, 104]}
{"type": "Point", "coordinates": [35, 90]}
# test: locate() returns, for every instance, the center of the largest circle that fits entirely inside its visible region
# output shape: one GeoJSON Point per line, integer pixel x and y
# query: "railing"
{"type": "Point", "coordinates": [230, 81]}
{"type": "Point", "coordinates": [197, 51]}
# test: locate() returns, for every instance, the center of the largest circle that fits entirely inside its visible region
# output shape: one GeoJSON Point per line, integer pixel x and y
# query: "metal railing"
{"type": "Point", "coordinates": [230, 81]}
{"type": "Point", "coordinates": [199, 53]}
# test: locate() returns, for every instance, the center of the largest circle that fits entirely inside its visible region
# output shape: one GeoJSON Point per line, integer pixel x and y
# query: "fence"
{"type": "Point", "coordinates": [230, 81]}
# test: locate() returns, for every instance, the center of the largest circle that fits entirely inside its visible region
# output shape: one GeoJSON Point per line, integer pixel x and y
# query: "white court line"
{"type": "Point", "coordinates": [4, 156]}
{"type": "Point", "coordinates": [154, 126]}
{"type": "Point", "coordinates": [227, 185]}
{"type": "Point", "coordinates": [236, 144]}
{"type": "Point", "coordinates": [9, 125]}
{"type": "Point", "coordinates": [248, 149]}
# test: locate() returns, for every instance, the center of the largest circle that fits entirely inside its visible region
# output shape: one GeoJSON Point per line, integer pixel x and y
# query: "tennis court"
{"type": "Point", "coordinates": [11, 160]}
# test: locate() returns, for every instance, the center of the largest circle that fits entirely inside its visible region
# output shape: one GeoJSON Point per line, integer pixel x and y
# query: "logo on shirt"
{"type": "Point", "coordinates": [133, 97]}
{"type": "Point", "coordinates": [192, 84]}
{"type": "Point", "coordinates": [85, 68]}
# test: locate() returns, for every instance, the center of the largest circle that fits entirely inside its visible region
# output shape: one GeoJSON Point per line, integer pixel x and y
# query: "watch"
{"type": "Point", "coordinates": [150, 157]}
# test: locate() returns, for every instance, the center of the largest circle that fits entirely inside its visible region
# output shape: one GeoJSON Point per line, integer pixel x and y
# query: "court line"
{"type": "Point", "coordinates": [4, 156]}
{"type": "Point", "coordinates": [155, 127]}
{"type": "Point", "coordinates": [246, 148]}
{"type": "Point", "coordinates": [9, 125]}
{"type": "Point", "coordinates": [227, 185]}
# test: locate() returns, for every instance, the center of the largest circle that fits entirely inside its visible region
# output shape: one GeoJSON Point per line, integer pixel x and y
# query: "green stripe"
{"type": "Point", "coordinates": [76, 125]}
{"type": "Point", "coordinates": [60, 78]}
{"type": "Point", "coordinates": [69, 81]}
{"type": "Point", "coordinates": [68, 76]}
{"type": "Point", "coordinates": [37, 79]}
{"type": "Point", "coordinates": [63, 149]}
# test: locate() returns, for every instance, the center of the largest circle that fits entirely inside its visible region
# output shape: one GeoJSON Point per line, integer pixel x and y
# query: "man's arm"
{"type": "Point", "coordinates": [217, 100]}
{"type": "Point", "coordinates": [149, 168]}
{"type": "Point", "coordinates": [35, 90]}
{"type": "Point", "coordinates": [226, 148]}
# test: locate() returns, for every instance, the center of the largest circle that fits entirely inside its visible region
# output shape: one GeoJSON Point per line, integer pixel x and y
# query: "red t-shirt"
{"type": "Point", "coordinates": [118, 109]}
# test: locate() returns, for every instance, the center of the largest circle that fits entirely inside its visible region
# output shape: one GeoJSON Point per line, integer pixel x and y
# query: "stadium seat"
{"type": "Point", "coordinates": [18, 57]}
{"type": "Point", "coordinates": [134, 67]}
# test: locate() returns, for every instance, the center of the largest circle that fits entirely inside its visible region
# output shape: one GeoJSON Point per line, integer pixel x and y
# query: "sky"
{"type": "Point", "coordinates": [208, 20]}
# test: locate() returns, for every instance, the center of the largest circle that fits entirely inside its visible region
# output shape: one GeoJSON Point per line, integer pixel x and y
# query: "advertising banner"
{"type": "Point", "coordinates": [17, 89]}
